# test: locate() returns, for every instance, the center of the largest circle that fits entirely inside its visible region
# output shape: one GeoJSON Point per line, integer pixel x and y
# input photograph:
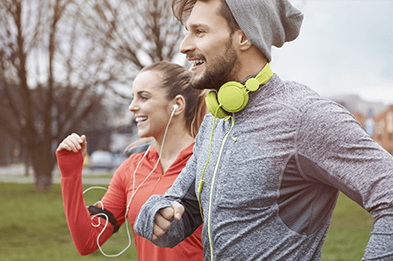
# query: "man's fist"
{"type": "Point", "coordinates": [164, 217]}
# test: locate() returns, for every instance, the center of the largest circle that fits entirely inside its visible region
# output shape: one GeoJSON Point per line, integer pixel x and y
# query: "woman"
{"type": "Point", "coordinates": [165, 108]}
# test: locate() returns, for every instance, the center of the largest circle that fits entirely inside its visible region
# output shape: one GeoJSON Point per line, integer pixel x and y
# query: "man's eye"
{"type": "Point", "coordinates": [198, 31]}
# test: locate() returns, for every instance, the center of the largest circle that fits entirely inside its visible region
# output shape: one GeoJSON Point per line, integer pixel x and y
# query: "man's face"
{"type": "Point", "coordinates": [208, 45]}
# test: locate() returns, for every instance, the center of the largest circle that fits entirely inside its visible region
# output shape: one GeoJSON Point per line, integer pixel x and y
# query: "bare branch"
{"type": "Point", "coordinates": [67, 58]}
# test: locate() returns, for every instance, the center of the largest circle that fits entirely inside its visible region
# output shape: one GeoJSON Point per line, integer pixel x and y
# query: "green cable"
{"type": "Point", "coordinates": [213, 179]}
{"type": "Point", "coordinates": [203, 172]}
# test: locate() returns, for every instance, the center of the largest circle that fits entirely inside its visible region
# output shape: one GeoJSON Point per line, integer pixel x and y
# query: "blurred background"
{"type": "Point", "coordinates": [344, 52]}
{"type": "Point", "coordinates": [68, 66]}
{"type": "Point", "coordinates": [344, 47]}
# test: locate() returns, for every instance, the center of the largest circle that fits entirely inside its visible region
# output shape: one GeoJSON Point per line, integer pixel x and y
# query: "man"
{"type": "Point", "coordinates": [265, 178]}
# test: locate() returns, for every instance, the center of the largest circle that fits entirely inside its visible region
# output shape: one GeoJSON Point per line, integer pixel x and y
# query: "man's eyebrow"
{"type": "Point", "coordinates": [193, 26]}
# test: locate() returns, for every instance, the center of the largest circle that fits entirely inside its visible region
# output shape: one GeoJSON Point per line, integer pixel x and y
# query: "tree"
{"type": "Point", "coordinates": [61, 59]}
{"type": "Point", "coordinates": [139, 32]}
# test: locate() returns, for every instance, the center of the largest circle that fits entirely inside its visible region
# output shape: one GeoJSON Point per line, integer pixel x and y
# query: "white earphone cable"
{"type": "Point", "coordinates": [132, 196]}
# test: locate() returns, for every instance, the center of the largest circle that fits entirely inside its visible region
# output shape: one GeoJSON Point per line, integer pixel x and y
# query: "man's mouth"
{"type": "Point", "coordinates": [196, 63]}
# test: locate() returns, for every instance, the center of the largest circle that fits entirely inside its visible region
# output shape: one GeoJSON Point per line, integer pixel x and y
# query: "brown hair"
{"type": "Point", "coordinates": [182, 8]}
{"type": "Point", "coordinates": [176, 81]}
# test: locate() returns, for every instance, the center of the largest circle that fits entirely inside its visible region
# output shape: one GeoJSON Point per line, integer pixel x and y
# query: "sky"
{"type": "Point", "coordinates": [344, 47]}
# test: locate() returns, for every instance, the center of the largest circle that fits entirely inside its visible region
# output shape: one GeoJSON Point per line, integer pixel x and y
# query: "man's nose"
{"type": "Point", "coordinates": [187, 45]}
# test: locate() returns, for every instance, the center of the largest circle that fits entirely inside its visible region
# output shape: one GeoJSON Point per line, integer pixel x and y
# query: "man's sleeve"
{"type": "Point", "coordinates": [355, 164]}
{"type": "Point", "coordinates": [182, 191]}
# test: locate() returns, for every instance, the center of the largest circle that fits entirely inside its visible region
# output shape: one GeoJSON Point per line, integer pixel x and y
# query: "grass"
{"type": "Point", "coordinates": [33, 227]}
{"type": "Point", "coordinates": [100, 176]}
{"type": "Point", "coordinates": [348, 233]}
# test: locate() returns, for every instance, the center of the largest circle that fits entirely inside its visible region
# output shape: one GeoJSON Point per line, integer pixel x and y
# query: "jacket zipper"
{"type": "Point", "coordinates": [212, 184]}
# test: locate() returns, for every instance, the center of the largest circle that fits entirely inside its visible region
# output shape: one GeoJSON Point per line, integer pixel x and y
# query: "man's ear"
{"type": "Point", "coordinates": [243, 42]}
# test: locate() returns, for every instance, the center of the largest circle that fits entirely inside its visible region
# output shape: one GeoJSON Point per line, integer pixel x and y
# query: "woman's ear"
{"type": "Point", "coordinates": [179, 105]}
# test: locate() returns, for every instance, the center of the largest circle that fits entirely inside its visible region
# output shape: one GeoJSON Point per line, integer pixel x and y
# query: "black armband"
{"type": "Point", "coordinates": [96, 210]}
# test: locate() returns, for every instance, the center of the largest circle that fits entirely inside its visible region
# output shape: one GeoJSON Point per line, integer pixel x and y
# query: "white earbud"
{"type": "Point", "coordinates": [175, 107]}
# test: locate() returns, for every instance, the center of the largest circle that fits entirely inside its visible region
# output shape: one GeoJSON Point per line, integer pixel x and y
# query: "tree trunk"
{"type": "Point", "coordinates": [27, 168]}
{"type": "Point", "coordinates": [43, 167]}
{"type": "Point", "coordinates": [43, 182]}
{"type": "Point", "coordinates": [26, 161]}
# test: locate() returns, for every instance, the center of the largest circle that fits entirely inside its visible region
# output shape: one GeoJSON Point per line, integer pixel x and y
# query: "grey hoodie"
{"type": "Point", "coordinates": [272, 180]}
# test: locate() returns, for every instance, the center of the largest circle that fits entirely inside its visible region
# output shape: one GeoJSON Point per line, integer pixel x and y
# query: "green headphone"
{"type": "Point", "coordinates": [233, 96]}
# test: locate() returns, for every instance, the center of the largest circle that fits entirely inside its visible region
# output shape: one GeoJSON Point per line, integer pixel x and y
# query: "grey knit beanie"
{"type": "Point", "coordinates": [267, 22]}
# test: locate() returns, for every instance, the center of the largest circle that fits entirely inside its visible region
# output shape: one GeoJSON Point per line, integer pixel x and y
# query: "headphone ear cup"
{"type": "Point", "coordinates": [213, 106]}
{"type": "Point", "coordinates": [233, 96]}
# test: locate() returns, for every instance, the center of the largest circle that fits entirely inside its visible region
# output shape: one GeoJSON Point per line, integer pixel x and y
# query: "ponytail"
{"type": "Point", "coordinates": [176, 81]}
{"type": "Point", "coordinates": [139, 143]}
{"type": "Point", "coordinates": [199, 113]}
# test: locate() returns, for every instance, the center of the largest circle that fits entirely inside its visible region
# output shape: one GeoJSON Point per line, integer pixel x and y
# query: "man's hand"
{"type": "Point", "coordinates": [163, 218]}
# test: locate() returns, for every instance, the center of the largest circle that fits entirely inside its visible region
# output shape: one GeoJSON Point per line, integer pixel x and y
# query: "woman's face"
{"type": "Point", "coordinates": [149, 105]}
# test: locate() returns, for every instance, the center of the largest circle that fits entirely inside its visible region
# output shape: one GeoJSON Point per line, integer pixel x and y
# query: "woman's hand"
{"type": "Point", "coordinates": [74, 143]}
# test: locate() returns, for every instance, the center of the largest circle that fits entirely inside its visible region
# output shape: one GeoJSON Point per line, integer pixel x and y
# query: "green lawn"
{"type": "Point", "coordinates": [33, 227]}
{"type": "Point", "coordinates": [349, 232]}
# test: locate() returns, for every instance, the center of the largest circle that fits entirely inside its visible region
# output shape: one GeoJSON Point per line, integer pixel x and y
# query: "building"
{"type": "Point", "coordinates": [383, 129]}
{"type": "Point", "coordinates": [361, 118]}
{"type": "Point", "coordinates": [375, 117]}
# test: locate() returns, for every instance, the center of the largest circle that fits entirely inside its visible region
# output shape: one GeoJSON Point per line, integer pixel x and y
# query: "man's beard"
{"type": "Point", "coordinates": [220, 71]}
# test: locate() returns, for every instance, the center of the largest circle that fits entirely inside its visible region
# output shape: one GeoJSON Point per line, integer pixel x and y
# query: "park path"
{"type": "Point", "coordinates": [16, 173]}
